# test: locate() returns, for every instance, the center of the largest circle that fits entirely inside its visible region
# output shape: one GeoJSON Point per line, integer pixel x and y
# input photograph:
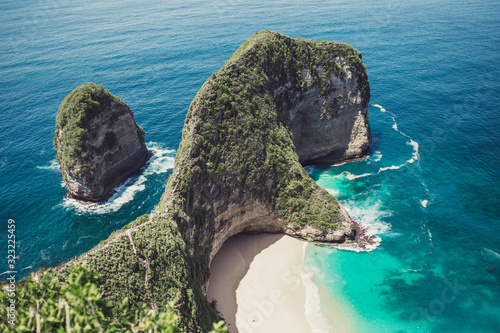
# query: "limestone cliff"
{"type": "Point", "coordinates": [98, 142]}
{"type": "Point", "coordinates": [277, 102]}
{"type": "Point", "coordinates": [332, 126]}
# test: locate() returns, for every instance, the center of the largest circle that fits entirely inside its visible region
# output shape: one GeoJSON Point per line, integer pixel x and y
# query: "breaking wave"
{"type": "Point", "coordinates": [314, 316]}
{"type": "Point", "coordinates": [350, 176]}
{"type": "Point", "coordinates": [161, 162]}
{"type": "Point", "coordinates": [372, 216]}
{"type": "Point", "coordinates": [415, 153]}
{"type": "Point", "coordinates": [53, 165]}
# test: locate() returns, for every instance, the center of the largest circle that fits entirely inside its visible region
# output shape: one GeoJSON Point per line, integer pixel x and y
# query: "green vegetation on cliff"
{"type": "Point", "coordinates": [237, 152]}
{"type": "Point", "coordinates": [147, 263]}
{"type": "Point", "coordinates": [76, 305]}
{"type": "Point", "coordinates": [282, 54]}
{"type": "Point", "coordinates": [242, 140]}
{"type": "Point", "coordinates": [98, 142]}
{"type": "Point", "coordinates": [72, 122]}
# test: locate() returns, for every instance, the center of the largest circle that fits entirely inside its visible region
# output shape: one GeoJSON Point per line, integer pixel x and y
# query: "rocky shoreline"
{"type": "Point", "coordinates": [113, 191]}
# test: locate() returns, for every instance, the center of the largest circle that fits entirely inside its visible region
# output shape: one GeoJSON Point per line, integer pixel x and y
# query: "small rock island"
{"type": "Point", "coordinates": [99, 144]}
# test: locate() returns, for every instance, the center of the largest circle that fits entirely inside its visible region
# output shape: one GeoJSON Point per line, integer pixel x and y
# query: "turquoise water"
{"type": "Point", "coordinates": [429, 188]}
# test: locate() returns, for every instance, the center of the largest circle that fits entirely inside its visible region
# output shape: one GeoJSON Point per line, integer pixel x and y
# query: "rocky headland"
{"type": "Point", "coordinates": [277, 104]}
{"type": "Point", "coordinates": [98, 142]}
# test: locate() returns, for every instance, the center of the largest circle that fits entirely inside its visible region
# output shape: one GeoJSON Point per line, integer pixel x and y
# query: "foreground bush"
{"type": "Point", "coordinates": [43, 304]}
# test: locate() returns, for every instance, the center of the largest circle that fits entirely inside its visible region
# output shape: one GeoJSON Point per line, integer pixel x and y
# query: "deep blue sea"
{"type": "Point", "coordinates": [429, 188]}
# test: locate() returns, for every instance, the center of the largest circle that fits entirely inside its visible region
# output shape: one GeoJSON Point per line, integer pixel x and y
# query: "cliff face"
{"type": "Point", "coordinates": [98, 142]}
{"type": "Point", "coordinates": [276, 103]}
{"type": "Point", "coordinates": [331, 127]}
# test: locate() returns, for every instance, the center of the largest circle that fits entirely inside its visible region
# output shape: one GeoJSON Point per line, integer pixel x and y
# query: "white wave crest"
{"type": "Point", "coordinates": [380, 107]}
{"type": "Point", "coordinates": [492, 254]}
{"type": "Point", "coordinates": [376, 157]}
{"type": "Point", "coordinates": [371, 214]}
{"type": "Point", "coordinates": [392, 167]}
{"type": "Point", "coordinates": [53, 165]}
{"type": "Point", "coordinates": [356, 248]}
{"type": "Point", "coordinates": [161, 162]}
{"type": "Point", "coordinates": [332, 191]}
{"type": "Point", "coordinates": [314, 316]}
{"type": "Point", "coordinates": [415, 154]}
{"type": "Point", "coordinates": [352, 177]}
{"type": "Point", "coordinates": [424, 203]}
{"type": "Point", "coordinates": [349, 176]}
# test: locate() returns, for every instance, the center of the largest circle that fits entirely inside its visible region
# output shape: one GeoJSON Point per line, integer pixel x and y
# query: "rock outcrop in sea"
{"type": "Point", "coordinates": [277, 104]}
{"type": "Point", "coordinates": [98, 142]}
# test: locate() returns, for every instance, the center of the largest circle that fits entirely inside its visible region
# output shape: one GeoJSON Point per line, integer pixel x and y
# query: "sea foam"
{"type": "Point", "coordinates": [415, 153]}
{"type": "Point", "coordinates": [392, 167]}
{"type": "Point", "coordinates": [376, 157]}
{"type": "Point", "coordinates": [332, 191]}
{"type": "Point", "coordinates": [380, 107]}
{"type": "Point", "coordinates": [161, 162]}
{"type": "Point", "coordinates": [350, 176]}
{"type": "Point", "coordinates": [314, 316]}
{"type": "Point", "coordinates": [371, 214]}
{"type": "Point", "coordinates": [490, 254]}
{"type": "Point", "coordinates": [52, 165]}
{"type": "Point", "coordinates": [369, 218]}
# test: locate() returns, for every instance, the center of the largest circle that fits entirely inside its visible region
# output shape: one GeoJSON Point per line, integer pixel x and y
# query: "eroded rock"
{"type": "Point", "coordinates": [99, 144]}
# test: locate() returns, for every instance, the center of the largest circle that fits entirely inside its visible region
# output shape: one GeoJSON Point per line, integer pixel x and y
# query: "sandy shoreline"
{"type": "Point", "coordinates": [258, 283]}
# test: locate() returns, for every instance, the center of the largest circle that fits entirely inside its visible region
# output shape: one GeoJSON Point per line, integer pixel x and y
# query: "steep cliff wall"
{"type": "Point", "coordinates": [331, 126]}
{"type": "Point", "coordinates": [276, 103]}
{"type": "Point", "coordinates": [98, 142]}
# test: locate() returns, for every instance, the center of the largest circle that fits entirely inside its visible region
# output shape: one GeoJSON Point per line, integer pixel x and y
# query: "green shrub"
{"type": "Point", "coordinates": [73, 115]}
{"type": "Point", "coordinates": [77, 306]}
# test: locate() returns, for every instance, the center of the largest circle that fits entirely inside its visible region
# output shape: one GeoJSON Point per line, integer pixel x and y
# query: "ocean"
{"type": "Point", "coordinates": [429, 188]}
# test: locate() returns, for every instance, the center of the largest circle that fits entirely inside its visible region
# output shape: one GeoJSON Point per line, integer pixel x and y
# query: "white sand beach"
{"type": "Point", "coordinates": [258, 284]}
